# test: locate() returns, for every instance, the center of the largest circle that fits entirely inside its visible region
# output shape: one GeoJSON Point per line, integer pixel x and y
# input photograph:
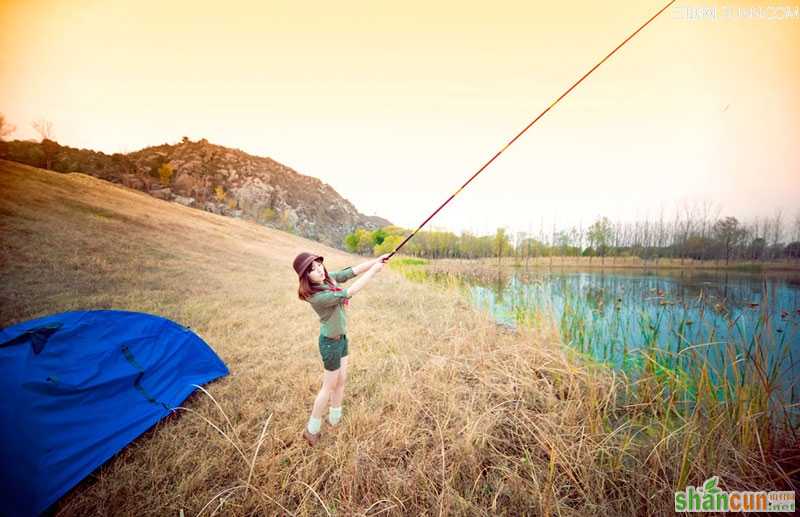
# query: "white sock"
{"type": "Point", "coordinates": [334, 415]}
{"type": "Point", "coordinates": [313, 425]}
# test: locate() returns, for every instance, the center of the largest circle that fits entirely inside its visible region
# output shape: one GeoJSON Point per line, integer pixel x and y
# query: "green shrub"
{"type": "Point", "coordinates": [165, 173]}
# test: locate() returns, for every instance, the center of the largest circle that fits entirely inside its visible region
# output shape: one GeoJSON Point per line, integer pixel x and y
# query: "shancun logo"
{"type": "Point", "coordinates": [709, 498]}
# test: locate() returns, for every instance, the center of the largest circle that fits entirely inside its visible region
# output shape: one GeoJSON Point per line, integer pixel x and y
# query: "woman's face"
{"type": "Point", "coordinates": [317, 272]}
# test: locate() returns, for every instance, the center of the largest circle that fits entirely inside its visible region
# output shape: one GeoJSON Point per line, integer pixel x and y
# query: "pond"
{"type": "Point", "coordinates": [736, 328]}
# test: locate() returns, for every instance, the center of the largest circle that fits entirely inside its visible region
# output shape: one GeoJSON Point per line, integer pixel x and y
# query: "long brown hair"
{"type": "Point", "coordinates": [307, 289]}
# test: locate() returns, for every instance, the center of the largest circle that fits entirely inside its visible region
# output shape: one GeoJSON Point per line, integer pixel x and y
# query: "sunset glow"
{"type": "Point", "coordinates": [396, 104]}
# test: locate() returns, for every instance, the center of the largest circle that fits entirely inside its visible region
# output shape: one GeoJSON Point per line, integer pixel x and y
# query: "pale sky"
{"type": "Point", "coordinates": [396, 104]}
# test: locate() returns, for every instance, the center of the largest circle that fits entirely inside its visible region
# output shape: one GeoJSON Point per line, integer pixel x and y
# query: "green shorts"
{"type": "Point", "coordinates": [332, 351]}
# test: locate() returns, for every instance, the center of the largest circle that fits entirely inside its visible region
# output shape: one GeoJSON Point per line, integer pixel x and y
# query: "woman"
{"type": "Point", "coordinates": [322, 291]}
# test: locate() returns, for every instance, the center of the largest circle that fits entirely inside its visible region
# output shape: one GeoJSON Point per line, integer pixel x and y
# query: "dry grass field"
{"type": "Point", "coordinates": [445, 413]}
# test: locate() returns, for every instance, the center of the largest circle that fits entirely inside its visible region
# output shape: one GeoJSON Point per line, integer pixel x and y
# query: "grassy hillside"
{"type": "Point", "coordinates": [445, 413]}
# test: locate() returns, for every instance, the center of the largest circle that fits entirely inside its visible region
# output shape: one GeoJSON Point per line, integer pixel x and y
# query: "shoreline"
{"type": "Point", "coordinates": [623, 264]}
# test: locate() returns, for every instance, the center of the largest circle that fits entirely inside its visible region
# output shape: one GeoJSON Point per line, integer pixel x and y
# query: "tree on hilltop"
{"type": "Point", "coordinates": [44, 128]}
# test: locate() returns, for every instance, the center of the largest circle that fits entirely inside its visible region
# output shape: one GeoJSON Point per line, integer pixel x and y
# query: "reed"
{"type": "Point", "coordinates": [683, 378]}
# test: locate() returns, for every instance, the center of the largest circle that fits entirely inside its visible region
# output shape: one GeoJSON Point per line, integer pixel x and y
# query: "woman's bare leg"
{"type": "Point", "coordinates": [338, 392]}
{"type": "Point", "coordinates": [329, 384]}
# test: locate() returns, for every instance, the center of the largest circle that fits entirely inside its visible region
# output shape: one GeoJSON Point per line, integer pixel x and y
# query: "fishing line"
{"type": "Point", "coordinates": [528, 127]}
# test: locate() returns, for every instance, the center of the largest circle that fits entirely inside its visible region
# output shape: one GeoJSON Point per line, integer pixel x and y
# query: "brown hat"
{"type": "Point", "coordinates": [303, 260]}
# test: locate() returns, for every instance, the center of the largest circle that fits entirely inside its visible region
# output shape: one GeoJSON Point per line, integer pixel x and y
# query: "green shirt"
{"type": "Point", "coordinates": [328, 305]}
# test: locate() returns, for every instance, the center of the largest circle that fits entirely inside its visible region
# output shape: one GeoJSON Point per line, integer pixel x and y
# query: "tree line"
{"type": "Point", "coordinates": [687, 235]}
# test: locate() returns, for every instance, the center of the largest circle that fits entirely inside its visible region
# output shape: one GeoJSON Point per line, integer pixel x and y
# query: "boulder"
{"type": "Point", "coordinates": [132, 181]}
{"type": "Point", "coordinates": [185, 184]}
{"type": "Point", "coordinates": [214, 208]}
{"type": "Point", "coordinates": [185, 201]}
{"type": "Point", "coordinates": [162, 193]}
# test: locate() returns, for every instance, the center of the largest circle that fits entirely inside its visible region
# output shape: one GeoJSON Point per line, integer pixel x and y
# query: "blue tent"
{"type": "Point", "coordinates": [77, 387]}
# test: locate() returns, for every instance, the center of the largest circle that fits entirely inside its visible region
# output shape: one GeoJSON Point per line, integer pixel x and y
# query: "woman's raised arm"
{"type": "Point", "coordinates": [364, 266]}
{"type": "Point", "coordinates": [376, 266]}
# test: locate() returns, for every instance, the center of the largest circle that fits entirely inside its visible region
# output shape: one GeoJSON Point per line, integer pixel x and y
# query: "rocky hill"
{"type": "Point", "coordinates": [213, 178]}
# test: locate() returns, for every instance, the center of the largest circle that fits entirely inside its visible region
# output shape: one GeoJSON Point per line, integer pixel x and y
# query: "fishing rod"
{"type": "Point", "coordinates": [526, 128]}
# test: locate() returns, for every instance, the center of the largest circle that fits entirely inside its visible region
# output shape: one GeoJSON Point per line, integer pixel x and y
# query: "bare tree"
{"type": "Point", "coordinates": [49, 146]}
{"type": "Point", "coordinates": [710, 213]}
{"type": "Point", "coordinates": [762, 231]}
{"type": "Point", "coordinates": [519, 238]}
{"type": "Point", "coordinates": [541, 231]}
{"type": "Point", "coordinates": [797, 227]}
{"type": "Point", "coordinates": [528, 242]}
{"type": "Point", "coordinates": [643, 237]}
{"type": "Point", "coordinates": [661, 233]}
{"type": "Point", "coordinates": [675, 239]}
{"type": "Point", "coordinates": [687, 228]}
{"type": "Point", "coordinates": [44, 128]}
{"type": "Point", "coordinates": [5, 128]}
{"type": "Point", "coordinates": [777, 233]}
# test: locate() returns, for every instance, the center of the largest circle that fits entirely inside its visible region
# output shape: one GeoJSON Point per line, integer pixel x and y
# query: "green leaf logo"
{"type": "Point", "coordinates": [710, 486]}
